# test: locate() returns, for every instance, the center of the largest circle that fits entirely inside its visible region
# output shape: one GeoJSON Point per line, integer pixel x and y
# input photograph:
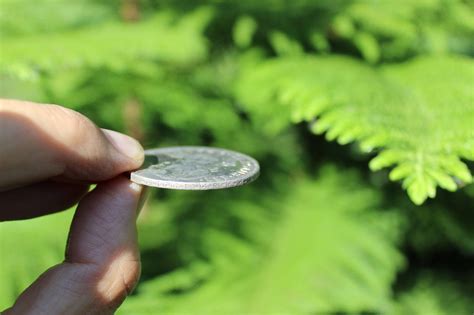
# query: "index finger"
{"type": "Point", "coordinates": [41, 141]}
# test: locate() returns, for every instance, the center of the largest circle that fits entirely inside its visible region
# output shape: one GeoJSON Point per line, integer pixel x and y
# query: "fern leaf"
{"type": "Point", "coordinates": [112, 45]}
{"type": "Point", "coordinates": [420, 114]}
{"type": "Point", "coordinates": [308, 266]}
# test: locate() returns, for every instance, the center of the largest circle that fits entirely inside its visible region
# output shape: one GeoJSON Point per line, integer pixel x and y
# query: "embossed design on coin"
{"type": "Point", "coordinates": [196, 168]}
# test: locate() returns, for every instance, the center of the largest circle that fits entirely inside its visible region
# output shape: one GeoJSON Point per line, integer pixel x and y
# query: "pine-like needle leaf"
{"type": "Point", "coordinates": [419, 114]}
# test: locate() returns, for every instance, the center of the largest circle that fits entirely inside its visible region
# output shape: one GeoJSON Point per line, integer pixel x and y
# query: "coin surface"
{"type": "Point", "coordinates": [196, 168]}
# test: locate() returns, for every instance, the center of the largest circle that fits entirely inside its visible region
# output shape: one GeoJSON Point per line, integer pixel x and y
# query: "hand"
{"type": "Point", "coordinates": [48, 157]}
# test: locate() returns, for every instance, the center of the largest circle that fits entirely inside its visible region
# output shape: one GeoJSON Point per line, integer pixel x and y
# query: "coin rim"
{"type": "Point", "coordinates": [169, 184]}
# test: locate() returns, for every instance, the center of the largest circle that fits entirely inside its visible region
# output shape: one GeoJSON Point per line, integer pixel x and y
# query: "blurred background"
{"type": "Point", "coordinates": [313, 89]}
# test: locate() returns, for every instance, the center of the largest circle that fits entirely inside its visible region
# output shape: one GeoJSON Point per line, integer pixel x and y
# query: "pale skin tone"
{"type": "Point", "coordinates": [49, 156]}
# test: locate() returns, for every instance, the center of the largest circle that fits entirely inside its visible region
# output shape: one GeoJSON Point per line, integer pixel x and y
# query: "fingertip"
{"type": "Point", "coordinates": [105, 221]}
{"type": "Point", "coordinates": [126, 145]}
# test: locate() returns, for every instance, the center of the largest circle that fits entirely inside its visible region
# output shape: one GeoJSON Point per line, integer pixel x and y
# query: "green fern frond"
{"type": "Point", "coordinates": [407, 111]}
{"type": "Point", "coordinates": [307, 266]}
{"type": "Point", "coordinates": [113, 45]}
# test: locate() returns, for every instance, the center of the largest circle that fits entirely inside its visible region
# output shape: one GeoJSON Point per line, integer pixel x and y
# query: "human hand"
{"type": "Point", "coordinates": [48, 157]}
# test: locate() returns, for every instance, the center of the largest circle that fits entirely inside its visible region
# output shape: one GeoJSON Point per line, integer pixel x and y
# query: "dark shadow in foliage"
{"type": "Point", "coordinates": [296, 18]}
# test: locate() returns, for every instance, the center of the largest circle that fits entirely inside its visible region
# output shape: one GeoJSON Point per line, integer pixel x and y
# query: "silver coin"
{"type": "Point", "coordinates": [196, 168]}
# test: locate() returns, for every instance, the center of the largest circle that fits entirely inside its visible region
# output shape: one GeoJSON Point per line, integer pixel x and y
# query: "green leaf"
{"type": "Point", "coordinates": [418, 114]}
{"type": "Point", "coordinates": [368, 46]}
{"type": "Point", "coordinates": [284, 45]}
{"type": "Point", "coordinates": [243, 31]}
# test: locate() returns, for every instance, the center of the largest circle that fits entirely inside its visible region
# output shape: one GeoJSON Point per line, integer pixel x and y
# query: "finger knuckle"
{"type": "Point", "coordinates": [80, 141]}
{"type": "Point", "coordinates": [72, 125]}
{"type": "Point", "coordinates": [119, 281]}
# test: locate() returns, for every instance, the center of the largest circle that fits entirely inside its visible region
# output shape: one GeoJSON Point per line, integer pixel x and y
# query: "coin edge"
{"type": "Point", "coordinates": [138, 179]}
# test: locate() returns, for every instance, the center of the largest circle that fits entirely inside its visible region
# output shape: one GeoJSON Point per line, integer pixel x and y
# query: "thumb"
{"type": "Point", "coordinates": [102, 261]}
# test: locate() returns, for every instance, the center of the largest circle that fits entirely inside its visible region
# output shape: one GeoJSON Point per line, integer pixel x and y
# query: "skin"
{"type": "Point", "coordinates": [49, 155]}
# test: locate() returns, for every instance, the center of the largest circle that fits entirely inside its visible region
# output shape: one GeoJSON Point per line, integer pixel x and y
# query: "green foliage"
{"type": "Point", "coordinates": [301, 265]}
{"type": "Point", "coordinates": [243, 31]}
{"type": "Point", "coordinates": [441, 226]}
{"type": "Point", "coordinates": [405, 110]}
{"type": "Point", "coordinates": [42, 245]}
{"type": "Point", "coordinates": [388, 83]}
{"type": "Point", "coordinates": [111, 46]}
{"type": "Point", "coordinates": [387, 30]}
{"type": "Point", "coordinates": [436, 295]}
{"type": "Point", "coordinates": [49, 16]}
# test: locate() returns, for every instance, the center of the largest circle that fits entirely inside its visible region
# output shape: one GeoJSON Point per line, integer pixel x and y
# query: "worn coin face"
{"type": "Point", "coordinates": [196, 168]}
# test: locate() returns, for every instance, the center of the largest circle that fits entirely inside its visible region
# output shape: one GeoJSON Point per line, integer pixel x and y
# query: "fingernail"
{"type": "Point", "coordinates": [125, 144]}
